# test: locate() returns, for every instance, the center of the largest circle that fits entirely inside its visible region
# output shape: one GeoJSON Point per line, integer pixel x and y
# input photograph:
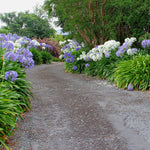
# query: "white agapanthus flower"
{"type": "Point", "coordinates": [22, 39]}
{"type": "Point", "coordinates": [132, 39]}
{"type": "Point", "coordinates": [62, 42]}
{"type": "Point", "coordinates": [132, 51]}
{"type": "Point", "coordinates": [43, 44]}
{"type": "Point", "coordinates": [61, 56]}
{"type": "Point", "coordinates": [17, 45]}
{"type": "Point", "coordinates": [43, 48]}
{"type": "Point", "coordinates": [69, 40]}
{"type": "Point", "coordinates": [110, 45]}
{"type": "Point", "coordinates": [97, 52]}
{"type": "Point", "coordinates": [36, 42]}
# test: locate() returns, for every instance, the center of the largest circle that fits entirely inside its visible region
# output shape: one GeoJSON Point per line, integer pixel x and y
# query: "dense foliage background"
{"type": "Point", "coordinates": [96, 21]}
{"type": "Point", "coordinates": [27, 24]}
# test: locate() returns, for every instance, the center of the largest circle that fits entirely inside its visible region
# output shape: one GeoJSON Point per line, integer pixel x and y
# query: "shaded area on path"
{"type": "Point", "coordinates": [76, 112]}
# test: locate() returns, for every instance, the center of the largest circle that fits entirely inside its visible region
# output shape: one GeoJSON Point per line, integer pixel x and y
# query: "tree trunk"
{"type": "Point", "coordinates": [103, 20]}
{"type": "Point", "coordinates": [83, 35]}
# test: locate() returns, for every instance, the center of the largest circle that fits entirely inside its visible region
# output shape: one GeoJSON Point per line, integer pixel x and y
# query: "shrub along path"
{"type": "Point", "coordinates": [76, 112]}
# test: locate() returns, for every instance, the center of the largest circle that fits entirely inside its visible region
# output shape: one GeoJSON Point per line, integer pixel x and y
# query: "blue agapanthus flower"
{"type": "Point", "coordinates": [11, 75]}
{"type": "Point", "coordinates": [122, 49]}
{"type": "Point", "coordinates": [10, 56]}
{"type": "Point", "coordinates": [12, 37]}
{"type": "Point", "coordinates": [69, 57]}
{"type": "Point", "coordinates": [78, 48]}
{"type": "Point", "coordinates": [48, 46]}
{"type": "Point", "coordinates": [87, 65]}
{"type": "Point", "coordinates": [145, 43]}
{"type": "Point", "coordinates": [107, 54]}
{"type": "Point", "coordinates": [3, 37]}
{"type": "Point", "coordinates": [22, 56]}
{"type": "Point", "coordinates": [74, 68]}
{"type": "Point", "coordinates": [130, 87]}
{"type": "Point", "coordinates": [9, 46]}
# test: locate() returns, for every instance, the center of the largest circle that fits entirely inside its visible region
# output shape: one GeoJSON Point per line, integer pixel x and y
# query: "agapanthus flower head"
{"type": "Point", "coordinates": [77, 48]}
{"type": "Point", "coordinates": [132, 51]}
{"type": "Point", "coordinates": [27, 62]}
{"type": "Point", "coordinates": [74, 68]}
{"type": "Point", "coordinates": [125, 46]}
{"type": "Point", "coordinates": [25, 52]}
{"type": "Point", "coordinates": [61, 56]}
{"type": "Point", "coordinates": [17, 45]}
{"type": "Point", "coordinates": [69, 57]}
{"type": "Point", "coordinates": [12, 37]}
{"type": "Point", "coordinates": [130, 40]}
{"type": "Point", "coordinates": [68, 60]}
{"type": "Point", "coordinates": [3, 37]}
{"type": "Point", "coordinates": [10, 56]}
{"type": "Point", "coordinates": [48, 46]}
{"type": "Point", "coordinates": [62, 42]}
{"type": "Point", "coordinates": [119, 53]}
{"type": "Point", "coordinates": [8, 46]}
{"type": "Point", "coordinates": [11, 75]}
{"type": "Point", "coordinates": [87, 65]}
{"type": "Point", "coordinates": [33, 43]}
{"type": "Point", "coordinates": [145, 43]}
{"type": "Point", "coordinates": [107, 54]}
{"type": "Point", "coordinates": [24, 56]}
{"type": "Point", "coordinates": [24, 41]}
{"type": "Point", "coordinates": [72, 46]}
{"type": "Point", "coordinates": [130, 87]}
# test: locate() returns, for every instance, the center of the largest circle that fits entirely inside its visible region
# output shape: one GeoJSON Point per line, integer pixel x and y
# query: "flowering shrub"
{"type": "Point", "coordinates": [70, 47]}
{"type": "Point", "coordinates": [99, 51]}
{"type": "Point", "coordinates": [70, 52]}
{"type": "Point", "coordinates": [15, 92]}
{"type": "Point", "coordinates": [104, 60]}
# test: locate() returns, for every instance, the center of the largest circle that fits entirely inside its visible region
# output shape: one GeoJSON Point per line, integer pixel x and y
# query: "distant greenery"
{"type": "Point", "coordinates": [26, 24]}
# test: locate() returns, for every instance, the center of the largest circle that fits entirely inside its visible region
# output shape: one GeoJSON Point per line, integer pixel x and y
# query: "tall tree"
{"type": "Point", "coordinates": [96, 21]}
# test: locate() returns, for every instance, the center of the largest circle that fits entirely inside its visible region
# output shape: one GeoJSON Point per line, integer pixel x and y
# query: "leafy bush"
{"type": "Point", "coordinates": [36, 56]}
{"type": "Point", "coordinates": [134, 72]}
{"type": "Point", "coordinates": [21, 85]}
{"type": "Point", "coordinates": [46, 57]}
{"type": "Point", "coordinates": [57, 59]}
{"type": "Point", "coordinates": [91, 69]}
{"type": "Point", "coordinates": [105, 67]}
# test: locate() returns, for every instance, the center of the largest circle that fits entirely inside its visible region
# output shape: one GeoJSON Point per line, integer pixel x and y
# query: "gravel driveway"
{"type": "Point", "coordinates": [76, 112]}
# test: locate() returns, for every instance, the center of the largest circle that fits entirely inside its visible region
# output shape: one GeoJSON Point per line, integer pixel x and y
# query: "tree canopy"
{"type": "Point", "coordinates": [27, 24]}
{"type": "Point", "coordinates": [96, 21]}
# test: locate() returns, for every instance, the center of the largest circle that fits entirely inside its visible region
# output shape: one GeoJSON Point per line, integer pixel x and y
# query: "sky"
{"type": "Point", "coordinates": [20, 6]}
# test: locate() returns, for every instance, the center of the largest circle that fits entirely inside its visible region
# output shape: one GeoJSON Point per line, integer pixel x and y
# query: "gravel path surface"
{"type": "Point", "coordinates": [76, 112]}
